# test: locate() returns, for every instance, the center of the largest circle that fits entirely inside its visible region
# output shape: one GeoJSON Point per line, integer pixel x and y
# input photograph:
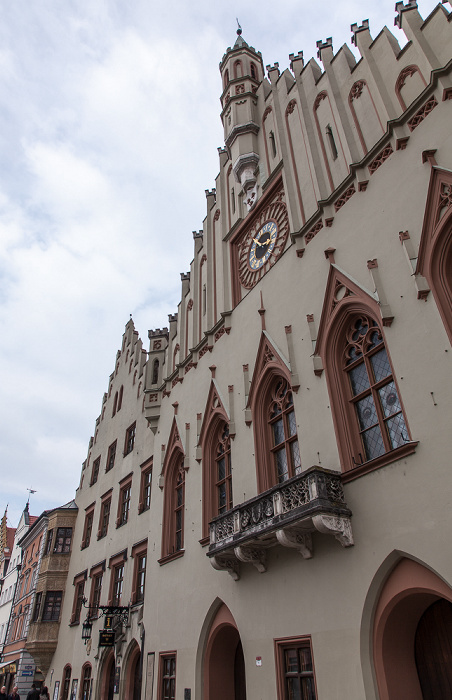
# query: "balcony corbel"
{"type": "Point", "coordinates": [252, 555]}
{"type": "Point", "coordinates": [301, 541]}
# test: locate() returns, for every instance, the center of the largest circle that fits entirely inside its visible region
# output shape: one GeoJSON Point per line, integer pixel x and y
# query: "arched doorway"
{"type": "Point", "coordinates": [133, 673]}
{"type": "Point", "coordinates": [108, 678]}
{"type": "Point", "coordinates": [224, 663]}
{"type": "Point", "coordinates": [412, 635]}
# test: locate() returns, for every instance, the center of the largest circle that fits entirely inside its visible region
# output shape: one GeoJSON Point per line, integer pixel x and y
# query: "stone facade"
{"type": "Point", "coordinates": [297, 404]}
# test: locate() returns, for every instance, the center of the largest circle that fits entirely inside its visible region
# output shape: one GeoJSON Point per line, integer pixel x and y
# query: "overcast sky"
{"type": "Point", "coordinates": [109, 128]}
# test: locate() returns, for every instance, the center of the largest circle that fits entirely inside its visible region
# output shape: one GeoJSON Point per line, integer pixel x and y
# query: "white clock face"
{"type": "Point", "coordinates": [263, 245]}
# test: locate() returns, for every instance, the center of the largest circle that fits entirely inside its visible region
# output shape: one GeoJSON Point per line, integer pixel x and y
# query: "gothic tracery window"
{"type": "Point", "coordinates": [373, 392]}
{"type": "Point", "coordinates": [223, 474]}
{"type": "Point", "coordinates": [283, 426]}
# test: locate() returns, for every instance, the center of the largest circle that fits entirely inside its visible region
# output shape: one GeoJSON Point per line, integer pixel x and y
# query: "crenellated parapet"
{"type": "Point", "coordinates": [306, 140]}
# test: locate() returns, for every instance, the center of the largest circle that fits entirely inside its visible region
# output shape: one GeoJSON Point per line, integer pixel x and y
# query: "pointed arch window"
{"type": "Point", "coordinates": [174, 512]}
{"type": "Point", "coordinates": [223, 473]}
{"type": "Point", "coordinates": [373, 393]}
{"type": "Point", "coordinates": [283, 427]}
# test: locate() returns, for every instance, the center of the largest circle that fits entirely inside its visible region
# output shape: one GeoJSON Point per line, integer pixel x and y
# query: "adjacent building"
{"type": "Point", "coordinates": [264, 510]}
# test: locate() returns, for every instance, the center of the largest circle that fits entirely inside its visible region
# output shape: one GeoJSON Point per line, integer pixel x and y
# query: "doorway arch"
{"type": "Point", "coordinates": [133, 672]}
{"type": "Point", "coordinates": [108, 677]}
{"type": "Point", "coordinates": [402, 617]}
{"type": "Point", "coordinates": [224, 664]}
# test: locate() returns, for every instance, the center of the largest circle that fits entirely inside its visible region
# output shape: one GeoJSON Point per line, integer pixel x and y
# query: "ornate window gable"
{"type": "Point", "coordinates": [215, 418]}
{"type": "Point", "coordinates": [368, 416]}
{"type": "Point", "coordinates": [269, 370]}
{"type": "Point", "coordinates": [173, 473]}
{"type": "Point", "coordinates": [435, 249]}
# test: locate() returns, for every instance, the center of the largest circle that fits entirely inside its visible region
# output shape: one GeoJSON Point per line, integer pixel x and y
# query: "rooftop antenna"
{"type": "Point", "coordinates": [239, 30]}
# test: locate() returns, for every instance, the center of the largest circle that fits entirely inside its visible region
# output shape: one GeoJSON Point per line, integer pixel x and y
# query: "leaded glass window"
{"type": "Point", "coordinates": [285, 447]}
{"type": "Point", "coordinates": [223, 471]}
{"type": "Point", "coordinates": [179, 503]}
{"type": "Point", "coordinates": [377, 406]}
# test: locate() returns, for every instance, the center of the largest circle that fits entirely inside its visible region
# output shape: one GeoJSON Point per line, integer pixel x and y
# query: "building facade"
{"type": "Point", "coordinates": [267, 491]}
{"type": "Point", "coordinates": [10, 582]}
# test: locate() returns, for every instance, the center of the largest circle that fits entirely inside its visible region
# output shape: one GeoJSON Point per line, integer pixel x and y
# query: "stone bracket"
{"type": "Point", "coordinates": [252, 555]}
{"type": "Point", "coordinates": [301, 541]}
{"type": "Point", "coordinates": [229, 564]}
{"type": "Point", "coordinates": [340, 527]}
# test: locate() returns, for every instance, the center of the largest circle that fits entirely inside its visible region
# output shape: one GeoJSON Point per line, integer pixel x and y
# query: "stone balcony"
{"type": "Point", "coordinates": [286, 515]}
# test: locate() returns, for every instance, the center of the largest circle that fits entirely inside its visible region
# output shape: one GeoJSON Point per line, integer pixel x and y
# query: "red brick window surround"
{"type": "Point", "coordinates": [117, 567]}
{"type": "Point", "coordinates": [96, 575]}
{"type": "Point", "coordinates": [174, 507]}
{"type": "Point", "coordinates": [167, 676]}
{"type": "Point", "coordinates": [295, 677]}
{"type": "Point", "coordinates": [129, 439]}
{"type": "Point", "coordinates": [369, 420]}
{"type": "Point", "coordinates": [88, 526]}
{"type": "Point", "coordinates": [139, 554]}
{"type": "Point", "coordinates": [111, 456]}
{"type": "Point", "coordinates": [144, 502]}
{"type": "Point", "coordinates": [104, 517]}
{"type": "Point", "coordinates": [79, 593]}
{"type": "Point", "coordinates": [372, 391]}
{"type": "Point", "coordinates": [125, 492]}
{"type": "Point", "coordinates": [215, 443]}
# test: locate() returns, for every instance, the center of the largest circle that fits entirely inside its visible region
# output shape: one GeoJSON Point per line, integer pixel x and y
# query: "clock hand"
{"type": "Point", "coordinates": [256, 241]}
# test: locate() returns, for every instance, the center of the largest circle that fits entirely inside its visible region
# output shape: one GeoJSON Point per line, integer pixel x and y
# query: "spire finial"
{"type": "Point", "coordinates": [239, 30]}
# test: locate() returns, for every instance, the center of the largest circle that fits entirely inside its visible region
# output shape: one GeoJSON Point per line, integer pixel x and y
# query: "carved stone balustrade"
{"type": "Point", "coordinates": [286, 514]}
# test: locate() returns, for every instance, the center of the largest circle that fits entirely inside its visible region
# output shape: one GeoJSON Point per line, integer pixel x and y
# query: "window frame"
{"type": "Point", "coordinates": [111, 456]}
{"type": "Point", "coordinates": [115, 564]}
{"type": "Point", "coordinates": [164, 657]}
{"type": "Point", "coordinates": [129, 441]}
{"type": "Point", "coordinates": [79, 594]}
{"type": "Point", "coordinates": [37, 606]}
{"type": "Point", "coordinates": [66, 540]}
{"type": "Point", "coordinates": [104, 514]}
{"type": "Point", "coordinates": [96, 575]}
{"type": "Point", "coordinates": [95, 471]}
{"type": "Point", "coordinates": [124, 500]}
{"type": "Point", "coordinates": [281, 646]}
{"type": "Point", "coordinates": [139, 551]}
{"type": "Point", "coordinates": [49, 607]}
{"type": "Point", "coordinates": [88, 526]}
{"type": "Point", "coordinates": [344, 302]}
{"type": "Point", "coordinates": [276, 396]}
{"type": "Point", "coordinates": [144, 502]}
